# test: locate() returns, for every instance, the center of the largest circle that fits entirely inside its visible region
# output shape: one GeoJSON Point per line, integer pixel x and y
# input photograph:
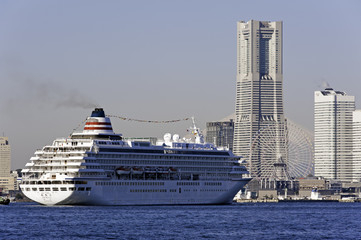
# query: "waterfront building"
{"type": "Point", "coordinates": [259, 100]}
{"type": "Point", "coordinates": [333, 134]}
{"type": "Point", "coordinates": [356, 146]}
{"type": "Point", "coordinates": [220, 133]}
{"type": "Point", "coordinates": [6, 181]}
{"type": "Point", "coordinates": [15, 180]}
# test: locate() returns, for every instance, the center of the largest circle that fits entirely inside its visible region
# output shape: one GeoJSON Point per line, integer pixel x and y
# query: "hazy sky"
{"type": "Point", "coordinates": [157, 60]}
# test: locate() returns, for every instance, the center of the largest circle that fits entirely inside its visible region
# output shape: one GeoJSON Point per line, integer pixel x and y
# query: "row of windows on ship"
{"type": "Point", "coordinates": [163, 156]}
{"type": "Point", "coordinates": [128, 183]}
{"type": "Point", "coordinates": [150, 162]}
{"type": "Point", "coordinates": [186, 169]}
{"type": "Point", "coordinates": [65, 149]}
{"type": "Point", "coordinates": [55, 189]}
{"type": "Point", "coordinates": [139, 162]}
{"type": "Point", "coordinates": [180, 176]}
{"type": "Point", "coordinates": [64, 189]}
{"type": "Point", "coordinates": [156, 183]}
{"type": "Point", "coordinates": [136, 156]}
{"type": "Point", "coordinates": [111, 168]}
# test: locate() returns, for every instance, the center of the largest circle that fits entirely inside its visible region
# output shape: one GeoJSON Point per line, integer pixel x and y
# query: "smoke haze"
{"type": "Point", "coordinates": [46, 94]}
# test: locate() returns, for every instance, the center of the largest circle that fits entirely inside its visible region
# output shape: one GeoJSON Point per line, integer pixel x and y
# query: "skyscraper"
{"type": "Point", "coordinates": [6, 182]}
{"type": "Point", "coordinates": [4, 157]}
{"type": "Point", "coordinates": [333, 134]}
{"type": "Point", "coordinates": [259, 101]}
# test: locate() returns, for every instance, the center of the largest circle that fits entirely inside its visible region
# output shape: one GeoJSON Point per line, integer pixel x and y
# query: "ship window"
{"type": "Point", "coordinates": [81, 189]}
{"type": "Point", "coordinates": [55, 189]}
{"type": "Point", "coordinates": [41, 189]}
{"type": "Point", "coordinates": [71, 189]}
{"type": "Point", "coordinates": [47, 189]}
{"type": "Point", "coordinates": [34, 189]}
{"type": "Point", "coordinates": [63, 189]}
{"type": "Point", "coordinates": [81, 182]}
{"type": "Point", "coordinates": [27, 189]}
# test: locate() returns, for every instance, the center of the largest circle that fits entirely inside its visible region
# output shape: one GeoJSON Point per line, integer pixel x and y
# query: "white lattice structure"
{"type": "Point", "coordinates": [300, 151]}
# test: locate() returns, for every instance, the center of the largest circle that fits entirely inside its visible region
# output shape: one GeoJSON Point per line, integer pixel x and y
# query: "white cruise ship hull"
{"type": "Point", "coordinates": [99, 167]}
{"type": "Point", "coordinates": [140, 193]}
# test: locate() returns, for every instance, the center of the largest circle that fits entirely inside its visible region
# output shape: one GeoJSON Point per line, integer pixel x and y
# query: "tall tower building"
{"type": "Point", "coordinates": [6, 182]}
{"type": "Point", "coordinates": [333, 134]}
{"type": "Point", "coordinates": [259, 101]}
{"type": "Point", "coordinates": [4, 157]}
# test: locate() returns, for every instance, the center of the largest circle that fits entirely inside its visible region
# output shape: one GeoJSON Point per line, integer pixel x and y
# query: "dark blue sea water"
{"type": "Point", "coordinates": [236, 221]}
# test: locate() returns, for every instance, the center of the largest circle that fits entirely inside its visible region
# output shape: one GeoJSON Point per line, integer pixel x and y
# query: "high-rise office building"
{"type": "Point", "coordinates": [221, 133]}
{"type": "Point", "coordinates": [6, 182]}
{"type": "Point", "coordinates": [356, 146]}
{"type": "Point", "coordinates": [4, 157]}
{"type": "Point", "coordinates": [333, 134]}
{"type": "Point", "coordinates": [259, 101]}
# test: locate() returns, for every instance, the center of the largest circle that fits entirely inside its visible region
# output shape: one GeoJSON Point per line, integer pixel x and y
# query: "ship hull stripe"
{"type": "Point", "coordinates": [98, 128]}
{"type": "Point", "coordinates": [98, 123]}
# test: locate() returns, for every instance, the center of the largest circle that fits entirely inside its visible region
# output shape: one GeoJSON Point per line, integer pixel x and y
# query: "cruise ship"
{"type": "Point", "coordinates": [99, 167]}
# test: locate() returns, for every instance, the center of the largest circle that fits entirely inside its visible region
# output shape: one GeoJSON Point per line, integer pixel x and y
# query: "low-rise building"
{"type": "Point", "coordinates": [306, 185]}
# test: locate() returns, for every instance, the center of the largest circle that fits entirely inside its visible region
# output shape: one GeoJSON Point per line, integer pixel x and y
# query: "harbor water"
{"type": "Point", "coordinates": [235, 221]}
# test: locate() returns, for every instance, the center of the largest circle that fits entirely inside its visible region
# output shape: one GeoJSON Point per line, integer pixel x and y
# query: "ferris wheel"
{"type": "Point", "coordinates": [281, 150]}
{"type": "Point", "coordinates": [268, 150]}
{"type": "Point", "coordinates": [300, 151]}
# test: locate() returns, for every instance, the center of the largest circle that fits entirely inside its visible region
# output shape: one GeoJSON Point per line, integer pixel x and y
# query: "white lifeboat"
{"type": "Point", "coordinates": [122, 170]}
{"type": "Point", "coordinates": [136, 170]}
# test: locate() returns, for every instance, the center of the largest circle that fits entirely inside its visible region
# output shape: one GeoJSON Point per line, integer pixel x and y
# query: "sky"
{"type": "Point", "coordinates": [158, 60]}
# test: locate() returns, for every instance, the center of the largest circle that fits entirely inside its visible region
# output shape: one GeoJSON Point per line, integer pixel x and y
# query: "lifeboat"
{"type": "Point", "coordinates": [150, 170]}
{"type": "Point", "coordinates": [136, 170]}
{"type": "Point", "coordinates": [122, 170]}
{"type": "Point", "coordinates": [162, 170]}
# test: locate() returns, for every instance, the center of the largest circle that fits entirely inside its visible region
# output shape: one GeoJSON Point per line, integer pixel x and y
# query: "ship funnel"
{"type": "Point", "coordinates": [98, 123]}
{"type": "Point", "coordinates": [98, 112]}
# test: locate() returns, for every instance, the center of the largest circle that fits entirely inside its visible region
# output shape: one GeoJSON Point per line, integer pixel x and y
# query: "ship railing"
{"type": "Point", "coordinates": [42, 170]}
{"type": "Point", "coordinates": [57, 152]}
{"type": "Point", "coordinates": [52, 167]}
{"type": "Point", "coordinates": [57, 164]}
{"type": "Point", "coordinates": [63, 164]}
